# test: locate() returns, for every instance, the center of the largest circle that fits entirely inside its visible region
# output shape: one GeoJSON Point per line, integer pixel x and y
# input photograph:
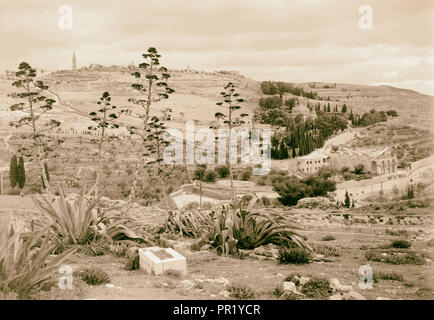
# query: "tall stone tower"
{"type": "Point", "coordinates": [74, 61]}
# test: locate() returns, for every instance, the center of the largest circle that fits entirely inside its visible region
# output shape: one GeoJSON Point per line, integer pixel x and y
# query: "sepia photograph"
{"type": "Point", "coordinates": [218, 157]}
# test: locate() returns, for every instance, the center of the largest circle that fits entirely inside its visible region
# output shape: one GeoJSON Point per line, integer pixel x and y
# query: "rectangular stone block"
{"type": "Point", "coordinates": [158, 260]}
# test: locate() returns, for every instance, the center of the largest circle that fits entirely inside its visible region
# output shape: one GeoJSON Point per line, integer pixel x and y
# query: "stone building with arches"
{"type": "Point", "coordinates": [378, 162]}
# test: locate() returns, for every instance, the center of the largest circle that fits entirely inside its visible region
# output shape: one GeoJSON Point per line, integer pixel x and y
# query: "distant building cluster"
{"type": "Point", "coordinates": [378, 162]}
{"type": "Point", "coordinates": [313, 162]}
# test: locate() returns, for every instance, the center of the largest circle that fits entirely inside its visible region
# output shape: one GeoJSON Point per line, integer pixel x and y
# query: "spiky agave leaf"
{"type": "Point", "coordinates": [24, 262]}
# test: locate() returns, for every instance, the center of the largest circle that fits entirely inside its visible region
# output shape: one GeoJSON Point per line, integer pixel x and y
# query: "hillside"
{"type": "Point", "coordinates": [414, 108]}
{"type": "Point", "coordinates": [198, 91]}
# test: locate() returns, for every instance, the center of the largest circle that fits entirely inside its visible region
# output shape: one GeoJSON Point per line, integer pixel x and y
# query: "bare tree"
{"type": "Point", "coordinates": [34, 104]}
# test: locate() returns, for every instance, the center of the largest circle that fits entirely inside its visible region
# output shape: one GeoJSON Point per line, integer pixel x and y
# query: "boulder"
{"type": "Point", "coordinates": [289, 287]}
{"type": "Point", "coordinates": [303, 280]}
{"type": "Point", "coordinates": [187, 284]}
{"type": "Point", "coordinates": [225, 294]}
{"type": "Point", "coordinates": [222, 281]}
{"type": "Point", "coordinates": [266, 251]}
{"type": "Point", "coordinates": [336, 285]}
{"type": "Point", "coordinates": [353, 295]}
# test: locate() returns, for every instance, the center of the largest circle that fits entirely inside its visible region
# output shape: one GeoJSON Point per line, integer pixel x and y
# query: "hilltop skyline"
{"type": "Point", "coordinates": [292, 40]}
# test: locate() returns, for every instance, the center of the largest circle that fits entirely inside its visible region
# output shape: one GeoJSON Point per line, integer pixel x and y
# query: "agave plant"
{"type": "Point", "coordinates": [219, 233]}
{"type": "Point", "coordinates": [25, 260]}
{"type": "Point", "coordinates": [234, 228]}
{"type": "Point", "coordinates": [253, 229]}
{"type": "Point", "coordinates": [78, 221]}
{"type": "Point", "coordinates": [190, 223]}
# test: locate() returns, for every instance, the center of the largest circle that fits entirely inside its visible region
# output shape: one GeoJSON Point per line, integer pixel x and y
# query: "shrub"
{"type": "Point", "coordinates": [398, 233]}
{"type": "Point", "coordinates": [291, 296]}
{"type": "Point", "coordinates": [210, 176]}
{"type": "Point", "coordinates": [327, 251]}
{"type": "Point", "coordinates": [291, 189]}
{"type": "Point", "coordinates": [349, 176]}
{"type": "Point", "coordinates": [359, 169]}
{"type": "Point", "coordinates": [95, 248]}
{"type": "Point", "coordinates": [265, 201]}
{"type": "Point", "coordinates": [222, 171]}
{"type": "Point", "coordinates": [133, 263]}
{"type": "Point", "coordinates": [403, 244]}
{"type": "Point", "coordinates": [294, 256]}
{"type": "Point", "coordinates": [317, 288]}
{"type": "Point", "coordinates": [425, 293]}
{"type": "Point", "coordinates": [245, 176]}
{"type": "Point", "coordinates": [278, 292]}
{"type": "Point", "coordinates": [241, 292]}
{"type": "Point", "coordinates": [262, 181]}
{"type": "Point", "coordinates": [293, 277]}
{"type": "Point", "coordinates": [388, 276]}
{"type": "Point", "coordinates": [328, 238]}
{"type": "Point", "coordinates": [93, 276]}
{"type": "Point", "coordinates": [192, 205]}
{"type": "Point", "coordinates": [173, 274]}
{"type": "Point", "coordinates": [395, 257]}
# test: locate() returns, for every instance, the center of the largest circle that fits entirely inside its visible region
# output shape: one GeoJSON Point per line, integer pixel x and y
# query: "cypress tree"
{"type": "Point", "coordinates": [21, 173]}
{"type": "Point", "coordinates": [283, 150]}
{"type": "Point", "coordinates": [347, 199]}
{"type": "Point", "coordinates": [13, 171]}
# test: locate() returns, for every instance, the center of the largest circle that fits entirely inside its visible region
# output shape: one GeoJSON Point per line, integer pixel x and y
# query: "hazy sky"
{"type": "Point", "coordinates": [289, 40]}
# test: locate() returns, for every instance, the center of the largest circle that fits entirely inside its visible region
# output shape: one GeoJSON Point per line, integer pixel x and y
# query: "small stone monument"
{"type": "Point", "coordinates": [157, 260]}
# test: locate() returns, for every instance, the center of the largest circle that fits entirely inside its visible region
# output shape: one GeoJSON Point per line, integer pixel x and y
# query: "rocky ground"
{"type": "Point", "coordinates": [257, 274]}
